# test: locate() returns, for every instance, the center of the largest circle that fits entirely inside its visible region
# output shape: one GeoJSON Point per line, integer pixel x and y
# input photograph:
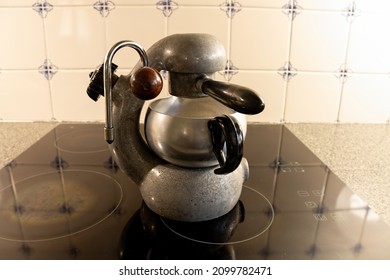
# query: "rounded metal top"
{"type": "Point", "coordinates": [188, 53]}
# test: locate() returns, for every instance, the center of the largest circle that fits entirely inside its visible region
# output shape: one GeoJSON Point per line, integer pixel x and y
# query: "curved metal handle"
{"type": "Point", "coordinates": [107, 77]}
{"type": "Point", "coordinates": [239, 98]}
{"type": "Point", "coordinates": [225, 129]}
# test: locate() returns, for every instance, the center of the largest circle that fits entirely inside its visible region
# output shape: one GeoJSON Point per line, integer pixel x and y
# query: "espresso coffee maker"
{"type": "Point", "coordinates": [186, 156]}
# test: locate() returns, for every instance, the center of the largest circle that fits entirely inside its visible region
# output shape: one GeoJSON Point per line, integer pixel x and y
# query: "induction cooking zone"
{"type": "Point", "coordinates": [65, 198]}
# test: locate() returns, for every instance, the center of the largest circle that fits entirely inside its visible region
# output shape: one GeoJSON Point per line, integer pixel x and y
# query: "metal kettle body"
{"type": "Point", "coordinates": [179, 183]}
{"type": "Point", "coordinates": [177, 129]}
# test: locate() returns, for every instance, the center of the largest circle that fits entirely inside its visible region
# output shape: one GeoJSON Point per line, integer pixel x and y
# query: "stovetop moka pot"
{"type": "Point", "coordinates": [188, 162]}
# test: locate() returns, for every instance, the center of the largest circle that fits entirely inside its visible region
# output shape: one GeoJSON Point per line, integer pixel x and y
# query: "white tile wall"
{"type": "Point", "coordinates": [68, 86]}
{"type": "Point", "coordinates": [260, 39]}
{"type": "Point", "coordinates": [22, 41]}
{"type": "Point", "coordinates": [319, 41]}
{"type": "Point", "coordinates": [369, 43]}
{"type": "Point", "coordinates": [313, 96]}
{"type": "Point", "coordinates": [75, 37]}
{"type": "Point", "coordinates": [365, 98]}
{"type": "Point", "coordinates": [25, 95]}
{"type": "Point", "coordinates": [310, 60]}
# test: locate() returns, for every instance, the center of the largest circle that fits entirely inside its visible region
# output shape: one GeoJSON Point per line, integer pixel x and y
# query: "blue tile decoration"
{"type": "Point", "coordinates": [11, 164]}
{"type": "Point", "coordinates": [26, 250]}
{"type": "Point", "coordinates": [343, 73]}
{"type": "Point", "coordinates": [111, 165]}
{"type": "Point", "coordinates": [351, 12]}
{"type": "Point", "coordinates": [74, 251]}
{"type": "Point", "coordinates": [292, 9]}
{"type": "Point", "coordinates": [312, 251]}
{"type": "Point", "coordinates": [59, 163]}
{"type": "Point", "coordinates": [167, 7]}
{"type": "Point", "coordinates": [230, 7]}
{"type": "Point", "coordinates": [287, 71]}
{"type": "Point", "coordinates": [104, 7]}
{"type": "Point", "coordinates": [66, 208]}
{"type": "Point", "coordinates": [229, 71]}
{"type": "Point", "coordinates": [19, 209]}
{"type": "Point", "coordinates": [357, 248]}
{"type": "Point", "coordinates": [42, 7]}
{"type": "Point", "coordinates": [47, 69]}
{"type": "Point", "coordinates": [164, 74]}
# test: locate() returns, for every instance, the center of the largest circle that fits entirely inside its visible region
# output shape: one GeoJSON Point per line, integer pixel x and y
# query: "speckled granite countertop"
{"type": "Point", "coordinates": [358, 153]}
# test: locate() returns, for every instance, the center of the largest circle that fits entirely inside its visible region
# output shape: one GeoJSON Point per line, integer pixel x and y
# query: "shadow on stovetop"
{"type": "Point", "coordinates": [147, 236]}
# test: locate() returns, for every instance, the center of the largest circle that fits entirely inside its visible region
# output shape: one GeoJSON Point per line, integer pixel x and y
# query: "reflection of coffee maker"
{"type": "Point", "coordinates": [146, 236]}
{"type": "Point", "coordinates": [187, 135]}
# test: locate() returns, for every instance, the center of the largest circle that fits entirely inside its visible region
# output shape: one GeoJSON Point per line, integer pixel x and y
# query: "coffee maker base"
{"type": "Point", "coordinates": [192, 195]}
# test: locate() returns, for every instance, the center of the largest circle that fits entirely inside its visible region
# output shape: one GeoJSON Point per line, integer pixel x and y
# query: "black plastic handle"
{"type": "Point", "coordinates": [96, 85]}
{"type": "Point", "coordinates": [239, 98]}
{"type": "Point", "coordinates": [226, 130]}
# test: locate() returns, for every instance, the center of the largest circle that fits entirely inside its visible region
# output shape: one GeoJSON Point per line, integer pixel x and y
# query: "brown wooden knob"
{"type": "Point", "coordinates": [146, 83]}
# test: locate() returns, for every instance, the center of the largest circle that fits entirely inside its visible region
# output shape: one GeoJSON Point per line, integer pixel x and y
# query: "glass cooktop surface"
{"type": "Point", "coordinates": [65, 198]}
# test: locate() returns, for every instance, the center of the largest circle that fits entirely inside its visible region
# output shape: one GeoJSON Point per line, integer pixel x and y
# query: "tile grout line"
{"type": "Point", "coordinates": [47, 54]}
{"type": "Point", "coordinates": [286, 81]}
{"type": "Point", "coordinates": [346, 59]}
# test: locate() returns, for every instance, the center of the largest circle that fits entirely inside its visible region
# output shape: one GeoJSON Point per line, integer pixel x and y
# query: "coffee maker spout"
{"type": "Point", "coordinates": [107, 77]}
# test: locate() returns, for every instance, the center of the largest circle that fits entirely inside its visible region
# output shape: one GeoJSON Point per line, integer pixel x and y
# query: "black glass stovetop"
{"type": "Point", "coordinates": [65, 198]}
